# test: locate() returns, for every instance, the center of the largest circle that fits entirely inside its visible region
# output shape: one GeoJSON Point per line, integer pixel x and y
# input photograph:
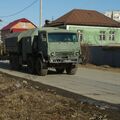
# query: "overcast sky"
{"type": "Point", "coordinates": [52, 9]}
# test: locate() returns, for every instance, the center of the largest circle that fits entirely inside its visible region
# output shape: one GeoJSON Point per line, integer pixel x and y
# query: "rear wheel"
{"type": "Point", "coordinates": [30, 63]}
{"type": "Point", "coordinates": [71, 69]}
{"type": "Point", "coordinates": [14, 62]}
{"type": "Point", "coordinates": [41, 68]}
{"type": "Point", "coordinates": [59, 70]}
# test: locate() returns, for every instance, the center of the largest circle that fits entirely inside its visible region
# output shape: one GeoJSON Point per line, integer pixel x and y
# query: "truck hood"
{"type": "Point", "coordinates": [58, 47]}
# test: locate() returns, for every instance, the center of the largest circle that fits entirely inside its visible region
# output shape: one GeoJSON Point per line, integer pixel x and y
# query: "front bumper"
{"type": "Point", "coordinates": [64, 60]}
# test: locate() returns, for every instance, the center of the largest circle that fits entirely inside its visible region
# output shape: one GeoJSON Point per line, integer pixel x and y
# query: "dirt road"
{"type": "Point", "coordinates": [92, 83]}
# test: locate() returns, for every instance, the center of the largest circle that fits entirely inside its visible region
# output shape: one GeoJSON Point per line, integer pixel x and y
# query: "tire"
{"type": "Point", "coordinates": [59, 70]}
{"type": "Point", "coordinates": [11, 62]}
{"type": "Point", "coordinates": [71, 70]}
{"type": "Point", "coordinates": [30, 63]}
{"type": "Point", "coordinates": [14, 62]}
{"type": "Point", "coordinates": [41, 68]}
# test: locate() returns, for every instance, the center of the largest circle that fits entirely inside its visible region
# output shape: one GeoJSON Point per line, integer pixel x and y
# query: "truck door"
{"type": "Point", "coordinates": [26, 47]}
{"type": "Point", "coordinates": [42, 45]}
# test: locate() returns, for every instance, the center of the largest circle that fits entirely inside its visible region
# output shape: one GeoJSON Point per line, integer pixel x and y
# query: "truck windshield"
{"type": "Point", "coordinates": [62, 37]}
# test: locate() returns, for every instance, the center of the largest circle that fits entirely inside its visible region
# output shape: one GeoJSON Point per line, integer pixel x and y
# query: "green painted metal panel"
{"type": "Point", "coordinates": [64, 47]}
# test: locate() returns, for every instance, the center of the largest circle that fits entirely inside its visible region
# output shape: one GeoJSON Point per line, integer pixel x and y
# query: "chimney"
{"type": "Point", "coordinates": [112, 15]}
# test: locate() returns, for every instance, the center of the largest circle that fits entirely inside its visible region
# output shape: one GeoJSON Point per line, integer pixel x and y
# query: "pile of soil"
{"type": "Point", "coordinates": [20, 100]}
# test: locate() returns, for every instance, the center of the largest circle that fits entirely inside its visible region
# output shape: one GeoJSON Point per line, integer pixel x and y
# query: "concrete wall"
{"type": "Point", "coordinates": [105, 56]}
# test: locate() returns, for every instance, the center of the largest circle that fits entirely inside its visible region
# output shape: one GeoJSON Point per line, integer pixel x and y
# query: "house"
{"type": "Point", "coordinates": [16, 26]}
{"type": "Point", "coordinates": [99, 32]}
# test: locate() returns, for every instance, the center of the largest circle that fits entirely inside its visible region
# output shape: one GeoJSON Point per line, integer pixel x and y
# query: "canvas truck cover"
{"type": "Point", "coordinates": [12, 41]}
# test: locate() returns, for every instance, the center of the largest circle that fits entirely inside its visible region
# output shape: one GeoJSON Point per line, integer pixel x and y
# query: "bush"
{"type": "Point", "coordinates": [86, 56]}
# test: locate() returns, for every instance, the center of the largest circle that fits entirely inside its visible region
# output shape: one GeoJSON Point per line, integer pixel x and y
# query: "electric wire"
{"type": "Point", "coordinates": [16, 13]}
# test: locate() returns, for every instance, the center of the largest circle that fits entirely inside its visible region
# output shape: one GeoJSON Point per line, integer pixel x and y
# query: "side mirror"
{"type": "Point", "coordinates": [43, 36]}
{"type": "Point", "coordinates": [44, 39]}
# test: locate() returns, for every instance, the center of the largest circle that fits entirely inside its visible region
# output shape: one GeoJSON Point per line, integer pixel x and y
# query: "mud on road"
{"type": "Point", "coordinates": [21, 100]}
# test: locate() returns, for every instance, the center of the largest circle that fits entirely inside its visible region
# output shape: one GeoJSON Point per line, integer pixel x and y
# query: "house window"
{"type": "Point", "coordinates": [80, 35]}
{"type": "Point", "coordinates": [112, 35]}
{"type": "Point", "coordinates": [24, 25]}
{"type": "Point", "coordinates": [102, 35]}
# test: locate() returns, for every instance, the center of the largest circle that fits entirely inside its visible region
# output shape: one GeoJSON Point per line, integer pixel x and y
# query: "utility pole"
{"type": "Point", "coordinates": [40, 13]}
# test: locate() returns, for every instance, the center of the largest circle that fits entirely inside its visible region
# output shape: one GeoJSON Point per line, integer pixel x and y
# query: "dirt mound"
{"type": "Point", "coordinates": [20, 100]}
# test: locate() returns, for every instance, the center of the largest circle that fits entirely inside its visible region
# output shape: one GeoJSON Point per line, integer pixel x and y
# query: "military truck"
{"type": "Point", "coordinates": [40, 49]}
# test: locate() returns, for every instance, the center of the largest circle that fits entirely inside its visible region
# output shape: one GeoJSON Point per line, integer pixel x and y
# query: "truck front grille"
{"type": "Point", "coordinates": [64, 54]}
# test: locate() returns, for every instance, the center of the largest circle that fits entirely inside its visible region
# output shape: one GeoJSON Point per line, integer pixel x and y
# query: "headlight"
{"type": "Point", "coordinates": [77, 53]}
{"type": "Point", "coordinates": [52, 54]}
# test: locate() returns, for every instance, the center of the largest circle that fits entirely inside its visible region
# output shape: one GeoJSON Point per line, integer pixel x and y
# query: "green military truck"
{"type": "Point", "coordinates": [40, 49]}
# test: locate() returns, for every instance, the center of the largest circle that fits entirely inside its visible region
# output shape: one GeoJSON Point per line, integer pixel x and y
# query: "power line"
{"type": "Point", "coordinates": [16, 13]}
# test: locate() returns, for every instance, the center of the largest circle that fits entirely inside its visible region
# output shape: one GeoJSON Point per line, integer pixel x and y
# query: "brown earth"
{"type": "Point", "coordinates": [21, 100]}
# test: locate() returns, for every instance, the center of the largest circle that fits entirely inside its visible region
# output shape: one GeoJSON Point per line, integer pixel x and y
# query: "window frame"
{"type": "Point", "coordinates": [112, 35]}
{"type": "Point", "coordinates": [66, 37]}
{"type": "Point", "coordinates": [102, 36]}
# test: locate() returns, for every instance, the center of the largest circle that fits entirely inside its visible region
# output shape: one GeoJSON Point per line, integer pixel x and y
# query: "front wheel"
{"type": "Point", "coordinates": [30, 63]}
{"type": "Point", "coordinates": [41, 68]}
{"type": "Point", "coordinates": [71, 69]}
{"type": "Point", "coordinates": [14, 62]}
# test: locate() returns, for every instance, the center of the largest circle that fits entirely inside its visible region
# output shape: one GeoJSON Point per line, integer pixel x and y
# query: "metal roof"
{"type": "Point", "coordinates": [10, 25]}
{"type": "Point", "coordinates": [85, 17]}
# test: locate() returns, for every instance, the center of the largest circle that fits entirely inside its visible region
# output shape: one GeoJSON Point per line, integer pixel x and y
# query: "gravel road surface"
{"type": "Point", "coordinates": [96, 84]}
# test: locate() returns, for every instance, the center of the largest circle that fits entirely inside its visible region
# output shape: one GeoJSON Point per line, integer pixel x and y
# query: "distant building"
{"type": "Point", "coordinates": [115, 15]}
{"type": "Point", "coordinates": [16, 26]}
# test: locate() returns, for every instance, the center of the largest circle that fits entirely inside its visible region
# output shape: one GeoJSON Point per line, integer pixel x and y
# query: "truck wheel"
{"type": "Point", "coordinates": [41, 67]}
{"type": "Point", "coordinates": [71, 70]}
{"type": "Point", "coordinates": [11, 62]}
{"type": "Point", "coordinates": [30, 63]}
{"type": "Point", "coordinates": [14, 62]}
{"type": "Point", "coordinates": [59, 70]}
